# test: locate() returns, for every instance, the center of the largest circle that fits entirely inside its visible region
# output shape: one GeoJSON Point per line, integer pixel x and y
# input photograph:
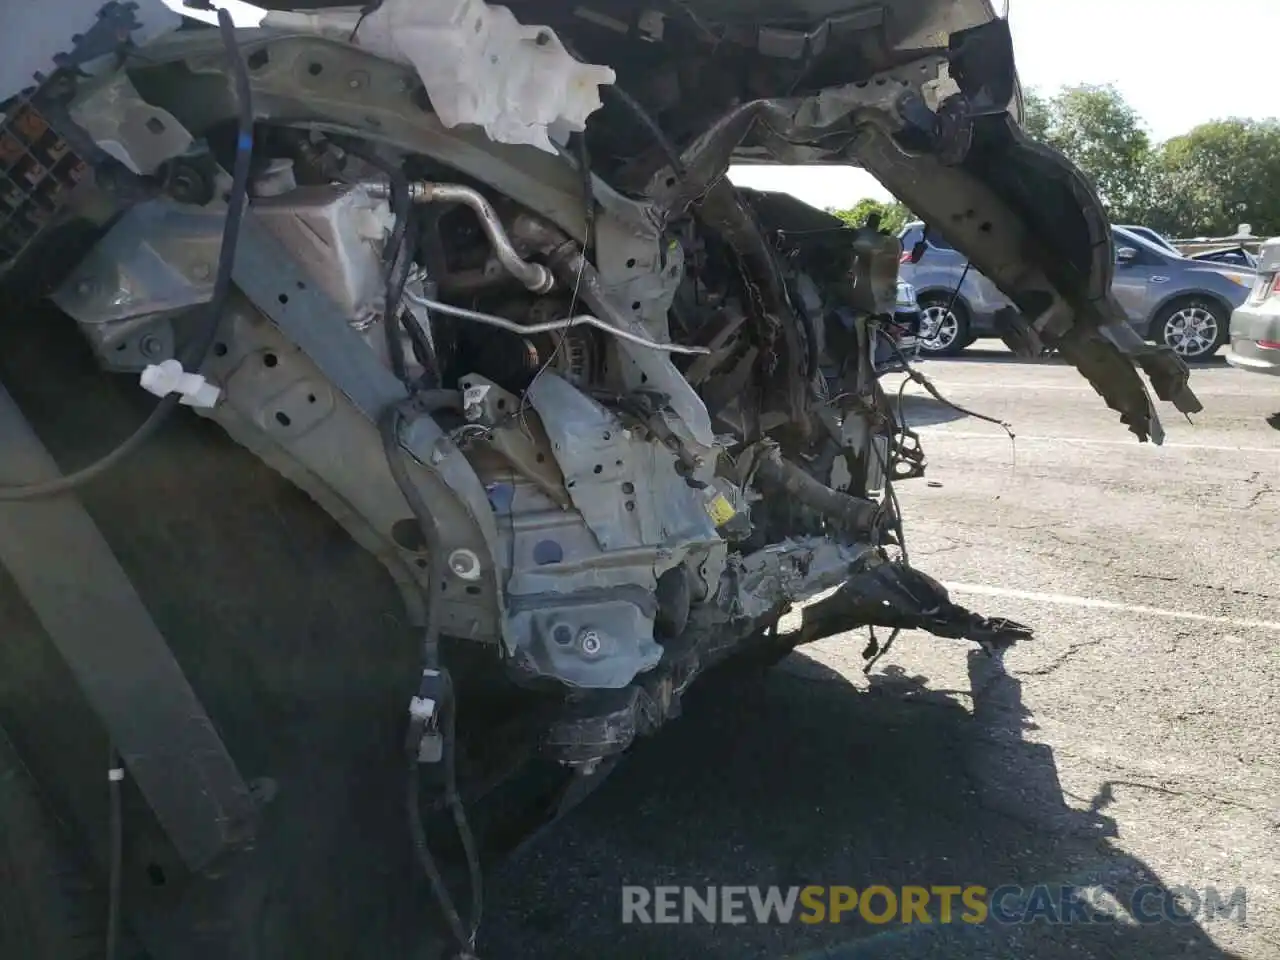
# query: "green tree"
{"type": "Point", "coordinates": [1037, 115]}
{"type": "Point", "coordinates": [1217, 176]}
{"type": "Point", "coordinates": [1098, 130]}
{"type": "Point", "coordinates": [893, 215]}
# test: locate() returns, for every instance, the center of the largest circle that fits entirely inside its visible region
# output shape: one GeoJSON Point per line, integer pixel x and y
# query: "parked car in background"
{"type": "Point", "coordinates": [1236, 256]}
{"type": "Point", "coordinates": [1168, 298]}
{"type": "Point", "coordinates": [1159, 239]}
{"type": "Point", "coordinates": [1232, 253]}
{"type": "Point", "coordinates": [1255, 326]}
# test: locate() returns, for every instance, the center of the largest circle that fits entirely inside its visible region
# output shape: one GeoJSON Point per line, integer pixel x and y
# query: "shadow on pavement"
{"type": "Point", "coordinates": [797, 777]}
{"type": "Point", "coordinates": [1273, 421]}
{"type": "Point", "coordinates": [920, 411]}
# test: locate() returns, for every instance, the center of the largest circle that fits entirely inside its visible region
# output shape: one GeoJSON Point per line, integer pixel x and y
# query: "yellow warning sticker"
{"type": "Point", "coordinates": [721, 510]}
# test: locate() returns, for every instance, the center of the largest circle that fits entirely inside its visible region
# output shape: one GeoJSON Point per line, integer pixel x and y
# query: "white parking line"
{"type": "Point", "coordinates": [1023, 386]}
{"type": "Point", "coordinates": [938, 433]}
{"type": "Point", "coordinates": [1091, 603]}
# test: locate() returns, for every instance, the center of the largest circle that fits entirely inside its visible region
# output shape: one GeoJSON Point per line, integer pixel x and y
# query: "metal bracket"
{"type": "Point", "coordinates": [86, 603]}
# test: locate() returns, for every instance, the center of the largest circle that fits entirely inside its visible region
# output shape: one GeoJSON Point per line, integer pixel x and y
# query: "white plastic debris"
{"type": "Point", "coordinates": [168, 377]}
{"type": "Point", "coordinates": [479, 64]}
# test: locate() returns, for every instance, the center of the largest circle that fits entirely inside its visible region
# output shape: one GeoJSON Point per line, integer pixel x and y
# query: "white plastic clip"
{"type": "Point", "coordinates": [422, 708]}
{"type": "Point", "coordinates": [115, 774]}
{"type": "Point", "coordinates": [168, 377]}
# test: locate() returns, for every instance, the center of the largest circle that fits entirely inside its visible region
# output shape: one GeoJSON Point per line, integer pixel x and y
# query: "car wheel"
{"type": "Point", "coordinates": [47, 909]}
{"type": "Point", "coordinates": [1194, 328]}
{"type": "Point", "coordinates": [944, 327]}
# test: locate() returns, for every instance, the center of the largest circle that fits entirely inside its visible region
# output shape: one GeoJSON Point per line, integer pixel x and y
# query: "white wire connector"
{"type": "Point", "coordinates": [168, 377]}
{"type": "Point", "coordinates": [115, 774]}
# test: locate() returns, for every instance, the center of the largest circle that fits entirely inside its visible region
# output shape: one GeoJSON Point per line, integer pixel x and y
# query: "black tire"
{"type": "Point", "coordinates": [48, 909]}
{"type": "Point", "coordinates": [1182, 326]}
{"type": "Point", "coordinates": [954, 335]}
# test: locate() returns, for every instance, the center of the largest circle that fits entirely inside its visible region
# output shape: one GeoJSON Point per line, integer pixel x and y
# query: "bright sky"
{"type": "Point", "coordinates": [1178, 62]}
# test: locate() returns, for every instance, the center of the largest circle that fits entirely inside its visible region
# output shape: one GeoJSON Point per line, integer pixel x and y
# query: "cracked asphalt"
{"type": "Point", "coordinates": [1133, 741]}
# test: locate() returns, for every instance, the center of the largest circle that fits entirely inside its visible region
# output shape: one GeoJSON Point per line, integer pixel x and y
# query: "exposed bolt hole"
{"type": "Point", "coordinates": [301, 286]}
{"type": "Point", "coordinates": [644, 378]}
{"type": "Point", "coordinates": [473, 590]}
{"type": "Point", "coordinates": [617, 463]}
{"type": "Point", "coordinates": [315, 69]}
{"type": "Point", "coordinates": [282, 418]}
{"type": "Point", "coordinates": [311, 398]}
{"type": "Point", "coordinates": [283, 298]}
{"type": "Point", "coordinates": [671, 181]}
{"type": "Point", "coordinates": [598, 468]}
{"type": "Point", "coordinates": [258, 59]}
{"type": "Point", "coordinates": [570, 485]}
{"type": "Point", "coordinates": [607, 435]}
{"type": "Point", "coordinates": [219, 349]}
{"type": "Point", "coordinates": [541, 458]}
{"type": "Point", "coordinates": [631, 262]}
{"type": "Point", "coordinates": [270, 360]}
{"type": "Point", "coordinates": [631, 506]}
{"type": "Point", "coordinates": [635, 304]}
{"type": "Point", "coordinates": [155, 125]}
{"type": "Point", "coordinates": [407, 534]}
{"type": "Point", "coordinates": [542, 39]}
{"type": "Point", "coordinates": [502, 404]}
{"type": "Point", "coordinates": [986, 226]}
{"type": "Point", "coordinates": [628, 487]}
{"type": "Point", "coordinates": [466, 384]}
{"type": "Point", "coordinates": [155, 873]}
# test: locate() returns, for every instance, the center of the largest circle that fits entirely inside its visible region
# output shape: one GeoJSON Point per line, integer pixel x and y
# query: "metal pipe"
{"type": "Point", "coordinates": [550, 325]}
{"type": "Point", "coordinates": [534, 276]}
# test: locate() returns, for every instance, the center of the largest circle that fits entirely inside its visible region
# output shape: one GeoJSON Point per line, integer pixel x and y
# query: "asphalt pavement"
{"type": "Point", "coordinates": [1132, 742]}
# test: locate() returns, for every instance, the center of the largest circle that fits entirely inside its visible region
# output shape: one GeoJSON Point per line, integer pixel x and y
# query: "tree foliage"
{"type": "Point", "coordinates": [1218, 176]}
{"type": "Point", "coordinates": [1097, 129]}
{"type": "Point", "coordinates": [893, 215]}
{"type": "Point", "coordinates": [1204, 183]}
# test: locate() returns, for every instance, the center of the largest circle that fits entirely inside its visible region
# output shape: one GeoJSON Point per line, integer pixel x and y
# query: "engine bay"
{"type": "Point", "coordinates": [494, 305]}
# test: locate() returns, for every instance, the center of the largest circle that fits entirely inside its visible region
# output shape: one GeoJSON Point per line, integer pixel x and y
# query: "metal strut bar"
{"type": "Point", "coordinates": [84, 600]}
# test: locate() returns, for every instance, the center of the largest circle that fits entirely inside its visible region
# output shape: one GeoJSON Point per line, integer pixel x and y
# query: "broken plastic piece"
{"type": "Point", "coordinates": [168, 377]}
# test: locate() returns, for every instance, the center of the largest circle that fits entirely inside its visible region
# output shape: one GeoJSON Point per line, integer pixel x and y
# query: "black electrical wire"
{"type": "Point", "coordinates": [389, 430]}
{"type": "Point", "coordinates": [199, 349]}
{"type": "Point", "coordinates": [116, 856]}
{"type": "Point", "coordinates": [955, 294]}
{"type": "Point", "coordinates": [646, 120]}
{"type": "Point", "coordinates": [933, 391]}
{"type": "Point", "coordinates": [588, 194]}
{"type": "Point", "coordinates": [418, 833]}
{"type": "Point", "coordinates": [454, 801]}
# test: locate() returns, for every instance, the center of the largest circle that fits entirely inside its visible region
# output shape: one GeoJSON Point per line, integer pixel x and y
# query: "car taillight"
{"type": "Point", "coordinates": [1267, 285]}
{"type": "Point", "coordinates": [1269, 345]}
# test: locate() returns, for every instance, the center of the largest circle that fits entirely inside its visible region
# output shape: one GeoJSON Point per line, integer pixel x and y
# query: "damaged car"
{"type": "Point", "coordinates": [401, 407]}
